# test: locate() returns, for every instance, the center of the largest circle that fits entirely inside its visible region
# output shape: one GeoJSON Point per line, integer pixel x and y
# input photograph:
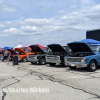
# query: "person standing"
{"type": "Point", "coordinates": [6, 56]}
{"type": "Point", "coordinates": [3, 55]}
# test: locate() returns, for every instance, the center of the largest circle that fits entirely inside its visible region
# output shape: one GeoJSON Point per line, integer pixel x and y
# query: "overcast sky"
{"type": "Point", "coordinates": [47, 21]}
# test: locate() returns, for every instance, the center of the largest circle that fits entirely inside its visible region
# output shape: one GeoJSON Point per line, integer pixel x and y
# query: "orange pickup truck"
{"type": "Point", "coordinates": [23, 54]}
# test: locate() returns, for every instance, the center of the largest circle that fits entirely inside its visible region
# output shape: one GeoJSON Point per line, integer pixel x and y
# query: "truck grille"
{"type": "Point", "coordinates": [53, 57]}
{"type": "Point", "coordinates": [74, 59]}
{"type": "Point", "coordinates": [32, 57]}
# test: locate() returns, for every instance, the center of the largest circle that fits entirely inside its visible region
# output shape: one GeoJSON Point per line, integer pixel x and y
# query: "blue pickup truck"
{"type": "Point", "coordinates": [84, 55]}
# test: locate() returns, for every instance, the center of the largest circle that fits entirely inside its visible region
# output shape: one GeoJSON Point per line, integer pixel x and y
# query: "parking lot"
{"type": "Point", "coordinates": [63, 83]}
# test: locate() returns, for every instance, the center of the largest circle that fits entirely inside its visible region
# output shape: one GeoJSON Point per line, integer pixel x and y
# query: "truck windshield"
{"type": "Point", "coordinates": [95, 48]}
{"type": "Point", "coordinates": [27, 51]}
{"type": "Point", "coordinates": [46, 49]}
{"type": "Point", "coordinates": [67, 49]}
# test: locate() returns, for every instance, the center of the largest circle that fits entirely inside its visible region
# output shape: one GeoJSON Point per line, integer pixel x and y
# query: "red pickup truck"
{"type": "Point", "coordinates": [12, 53]}
{"type": "Point", "coordinates": [1, 53]}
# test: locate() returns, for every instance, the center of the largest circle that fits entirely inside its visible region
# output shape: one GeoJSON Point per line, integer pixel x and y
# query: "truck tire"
{"type": "Point", "coordinates": [52, 64]}
{"type": "Point", "coordinates": [92, 66]}
{"type": "Point", "coordinates": [33, 62]}
{"type": "Point", "coordinates": [24, 59]}
{"type": "Point", "coordinates": [42, 61]}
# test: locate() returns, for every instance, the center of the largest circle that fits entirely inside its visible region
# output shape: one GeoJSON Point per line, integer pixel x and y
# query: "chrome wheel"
{"type": "Point", "coordinates": [42, 61]}
{"type": "Point", "coordinates": [92, 66]}
{"type": "Point", "coordinates": [24, 59]}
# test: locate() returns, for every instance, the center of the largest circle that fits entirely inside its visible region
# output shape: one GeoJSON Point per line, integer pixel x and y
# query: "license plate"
{"type": "Point", "coordinates": [72, 64]}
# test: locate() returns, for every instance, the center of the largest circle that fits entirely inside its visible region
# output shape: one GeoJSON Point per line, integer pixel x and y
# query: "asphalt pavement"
{"type": "Point", "coordinates": [43, 82]}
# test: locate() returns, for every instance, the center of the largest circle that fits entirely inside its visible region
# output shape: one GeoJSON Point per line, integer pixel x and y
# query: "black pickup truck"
{"type": "Point", "coordinates": [59, 52]}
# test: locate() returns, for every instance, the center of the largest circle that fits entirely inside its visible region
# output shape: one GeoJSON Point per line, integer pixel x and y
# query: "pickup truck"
{"type": "Point", "coordinates": [84, 55]}
{"type": "Point", "coordinates": [59, 52]}
{"type": "Point", "coordinates": [39, 55]}
{"type": "Point", "coordinates": [12, 53]}
{"type": "Point", "coordinates": [23, 54]}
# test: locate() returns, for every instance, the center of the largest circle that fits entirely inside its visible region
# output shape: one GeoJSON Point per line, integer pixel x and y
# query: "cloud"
{"type": "Point", "coordinates": [11, 30]}
{"type": "Point", "coordinates": [39, 22]}
{"type": "Point", "coordinates": [28, 29]}
{"type": "Point", "coordinates": [2, 25]}
{"type": "Point", "coordinates": [5, 8]}
{"type": "Point", "coordinates": [22, 31]}
{"type": "Point", "coordinates": [63, 11]}
{"type": "Point", "coordinates": [81, 19]}
{"type": "Point", "coordinates": [69, 23]}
